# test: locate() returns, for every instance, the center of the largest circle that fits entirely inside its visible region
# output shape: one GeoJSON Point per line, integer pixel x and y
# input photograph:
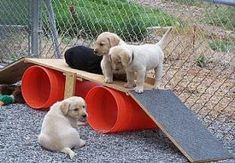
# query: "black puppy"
{"type": "Point", "coordinates": [83, 58]}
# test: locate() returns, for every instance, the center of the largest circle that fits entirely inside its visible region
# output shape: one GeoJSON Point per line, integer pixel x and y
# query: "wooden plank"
{"type": "Point", "coordinates": [181, 126]}
{"type": "Point", "coordinates": [60, 65]}
{"type": "Point", "coordinates": [70, 84]}
{"type": "Point", "coordinates": [13, 72]}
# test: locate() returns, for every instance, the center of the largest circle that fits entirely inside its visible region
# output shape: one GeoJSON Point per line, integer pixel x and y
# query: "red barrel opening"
{"type": "Point", "coordinates": [113, 111]}
{"type": "Point", "coordinates": [42, 87]}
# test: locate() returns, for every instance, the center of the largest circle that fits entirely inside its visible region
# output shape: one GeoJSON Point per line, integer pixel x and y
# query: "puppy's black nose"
{"type": "Point", "coordinates": [84, 116]}
{"type": "Point", "coordinates": [95, 51]}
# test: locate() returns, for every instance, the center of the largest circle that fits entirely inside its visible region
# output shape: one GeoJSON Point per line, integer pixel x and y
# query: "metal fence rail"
{"type": "Point", "coordinates": [199, 59]}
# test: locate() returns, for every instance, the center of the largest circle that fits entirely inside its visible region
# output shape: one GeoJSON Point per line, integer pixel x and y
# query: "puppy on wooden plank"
{"type": "Point", "coordinates": [139, 59]}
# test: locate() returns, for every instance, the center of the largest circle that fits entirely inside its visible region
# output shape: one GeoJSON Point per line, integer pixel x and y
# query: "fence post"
{"type": "Point", "coordinates": [54, 32]}
{"type": "Point", "coordinates": [35, 17]}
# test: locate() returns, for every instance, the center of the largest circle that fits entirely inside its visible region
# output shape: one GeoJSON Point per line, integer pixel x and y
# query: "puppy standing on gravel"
{"type": "Point", "coordinates": [58, 132]}
{"type": "Point", "coordinates": [140, 59]}
{"type": "Point", "coordinates": [103, 43]}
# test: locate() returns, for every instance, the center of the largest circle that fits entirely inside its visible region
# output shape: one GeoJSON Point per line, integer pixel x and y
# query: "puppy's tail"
{"type": "Point", "coordinates": [162, 43]}
{"type": "Point", "coordinates": [44, 141]}
{"type": "Point", "coordinates": [47, 143]}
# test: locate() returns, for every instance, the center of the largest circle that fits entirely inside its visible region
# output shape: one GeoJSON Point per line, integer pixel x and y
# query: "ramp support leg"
{"type": "Point", "coordinates": [70, 84]}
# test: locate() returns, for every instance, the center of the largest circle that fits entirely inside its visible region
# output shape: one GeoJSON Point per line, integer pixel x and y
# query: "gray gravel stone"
{"type": "Point", "coordinates": [20, 125]}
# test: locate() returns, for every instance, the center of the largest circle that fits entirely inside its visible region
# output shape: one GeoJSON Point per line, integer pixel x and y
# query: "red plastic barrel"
{"type": "Point", "coordinates": [42, 87]}
{"type": "Point", "coordinates": [83, 87]}
{"type": "Point", "coordinates": [113, 111]}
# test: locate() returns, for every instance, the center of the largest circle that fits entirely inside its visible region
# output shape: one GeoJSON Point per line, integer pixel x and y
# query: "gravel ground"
{"type": "Point", "coordinates": [20, 125]}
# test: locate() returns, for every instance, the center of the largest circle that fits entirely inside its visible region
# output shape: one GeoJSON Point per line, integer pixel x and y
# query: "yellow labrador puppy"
{"type": "Point", "coordinates": [59, 127]}
{"type": "Point", "coordinates": [103, 43]}
{"type": "Point", "coordinates": [140, 59]}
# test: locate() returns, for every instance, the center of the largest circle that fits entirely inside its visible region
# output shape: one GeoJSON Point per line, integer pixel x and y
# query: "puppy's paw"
{"type": "Point", "coordinates": [129, 85]}
{"type": "Point", "coordinates": [156, 86]}
{"type": "Point", "coordinates": [139, 89]}
{"type": "Point", "coordinates": [82, 143]}
{"type": "Point", "coordinates": [108, 80]}
{"type": "Point", "coordinates": [81, 123]}
{"type": "Point", "coordinates": [72, 154]}
{"type": "Point", "coordinates": [68, 151]}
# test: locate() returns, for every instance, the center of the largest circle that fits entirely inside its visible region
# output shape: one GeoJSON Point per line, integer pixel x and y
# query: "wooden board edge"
{"type": "Point", "coordinates": [163, 129]}
{"type": "Point", "coordinates": [13, 63]}
{"type": "Point", "coordinates": [112, 86]}
{"type": "Point", "coordinates": [32, 60]}
{"type": "Point", "coordinates": [17, 68]}
{"type": "Point", "coordinates": [215, 159]}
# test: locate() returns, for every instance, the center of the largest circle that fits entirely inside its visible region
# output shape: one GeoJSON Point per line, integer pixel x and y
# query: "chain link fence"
{"type": "Point", "coordinates": [199, 59]}
{"type": "Point", "coordinates": [14, 29]}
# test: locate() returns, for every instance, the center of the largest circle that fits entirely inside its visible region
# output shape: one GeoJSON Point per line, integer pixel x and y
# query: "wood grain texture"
{"type": "Point", "coordinates": [13, 72]}
{"type": "Point", "coordinates": [60, 65]}
{"type": "Point", "coordinates": [70, 85]}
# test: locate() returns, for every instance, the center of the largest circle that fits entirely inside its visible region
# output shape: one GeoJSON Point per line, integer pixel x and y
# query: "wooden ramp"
{"type": "Point", "coordinates": [13, 72]}
{"type": "Point", "coordinates": [179, 124]}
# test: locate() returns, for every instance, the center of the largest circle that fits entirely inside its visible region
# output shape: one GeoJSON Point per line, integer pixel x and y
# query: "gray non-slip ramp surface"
{"type": "Point", "coordinates": [181, 126]}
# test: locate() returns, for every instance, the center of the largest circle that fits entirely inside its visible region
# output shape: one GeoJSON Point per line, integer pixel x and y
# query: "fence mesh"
{"type": "Point", "coordinates": [14, 29]}
{"type": "Point", "coordinates": [199, 59]}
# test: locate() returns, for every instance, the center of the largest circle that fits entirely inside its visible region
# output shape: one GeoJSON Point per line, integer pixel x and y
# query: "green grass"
{"type": "Point", "coordinates": [201, 61]}
{"type": "Point", "coordinates": [221, 45]}
{"type": "Point", "coordinates": [92, 17]}
{"type": "Point", "coordinates": [222, 16]}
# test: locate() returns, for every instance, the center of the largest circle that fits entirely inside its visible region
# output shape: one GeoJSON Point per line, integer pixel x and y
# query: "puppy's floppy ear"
{"type": "Point", "coordinates": [113, 40]}
{"type": "Point", "coordinates": [65, 107]}
{"type": "Point", "coordinates": [125, 57]}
